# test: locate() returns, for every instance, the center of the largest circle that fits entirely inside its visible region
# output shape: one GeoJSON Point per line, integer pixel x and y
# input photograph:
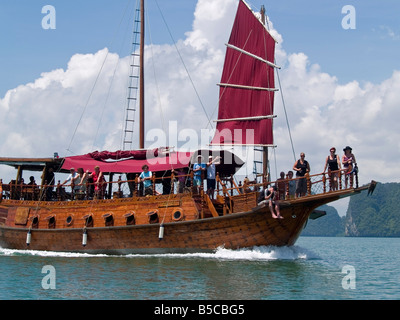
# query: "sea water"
{"type": "Point", "coordinates": [315, 268]}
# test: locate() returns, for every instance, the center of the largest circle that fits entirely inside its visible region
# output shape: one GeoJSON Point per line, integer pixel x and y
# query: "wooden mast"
{"type": "Point", "coordinates": [265, 149]}
{"type": "Point", "coordinates": [141, 77]}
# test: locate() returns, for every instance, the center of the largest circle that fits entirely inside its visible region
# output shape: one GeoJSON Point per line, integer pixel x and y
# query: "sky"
{"type": "Point", "coordinates": [64, 89]}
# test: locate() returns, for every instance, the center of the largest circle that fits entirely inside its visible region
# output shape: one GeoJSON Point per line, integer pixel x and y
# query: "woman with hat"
{"type": "Point", "coordinates": [348, 160]}
{"type": "Point", "coordinates": [333, 164]}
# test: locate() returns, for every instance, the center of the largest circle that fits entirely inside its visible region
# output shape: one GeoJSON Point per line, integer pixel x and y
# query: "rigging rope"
{"type": "Point", "coordinates": [283, 102]}
{"type": "Point", "coordinates": [184, 65]}
{"type": "Point", "coordinates": [96, 80]}
{"type": "Point", "coordinates": [287, 119]}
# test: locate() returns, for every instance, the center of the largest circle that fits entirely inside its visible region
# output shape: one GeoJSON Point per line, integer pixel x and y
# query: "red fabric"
{"type": "Point", "coordinates": [174, 160]}
{"type": "Point", "coordinates": [250, 35]}
{"type": "Point", "coordinates": [123, 154]}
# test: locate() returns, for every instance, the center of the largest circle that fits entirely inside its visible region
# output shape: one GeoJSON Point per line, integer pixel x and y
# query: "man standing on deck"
{"type": "Point", "coordinates": [211, 175]}
{"type": "Point", "coordinates": [198, 168]}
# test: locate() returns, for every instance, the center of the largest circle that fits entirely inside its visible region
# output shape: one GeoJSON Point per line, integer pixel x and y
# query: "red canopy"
{"type": "Point", "coordinates": [173, 160]}
{"type": "Point", "coordinates": [157, 159]}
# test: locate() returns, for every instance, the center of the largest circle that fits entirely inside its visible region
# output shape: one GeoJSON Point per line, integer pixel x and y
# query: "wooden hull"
{"type": "Point", "coordinates": [254, 227]}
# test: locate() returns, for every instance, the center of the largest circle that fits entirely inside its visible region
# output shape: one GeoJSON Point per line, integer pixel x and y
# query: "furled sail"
{"type": "Point", "coordinates": [246, 100]}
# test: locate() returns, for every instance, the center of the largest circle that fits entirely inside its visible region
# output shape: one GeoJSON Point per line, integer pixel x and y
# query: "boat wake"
{"type": "Point", "coordinates": [262, 253]}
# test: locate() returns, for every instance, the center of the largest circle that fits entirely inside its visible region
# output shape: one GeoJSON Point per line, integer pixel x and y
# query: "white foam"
{"type": "Point", "coordinates": [12, 252]}
{"type": "Point", "coordinates": [262, 253]}
{"type": "Point", "coordinates": [256, 253]}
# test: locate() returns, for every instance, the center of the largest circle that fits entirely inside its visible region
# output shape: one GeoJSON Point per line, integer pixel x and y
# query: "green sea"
{"type": "Point", "coordinates": [315, 268]}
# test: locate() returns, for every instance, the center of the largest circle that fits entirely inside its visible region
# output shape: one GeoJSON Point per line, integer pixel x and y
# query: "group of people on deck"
{"type": "Point", "coordinates": [288, 188]}
{"type": "Point", "coordinates": [79, 179]}
{"type": "Point", "coordinates": [198, 168]}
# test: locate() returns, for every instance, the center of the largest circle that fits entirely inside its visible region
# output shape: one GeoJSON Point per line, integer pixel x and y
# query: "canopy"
{"type": "Point", "coordinates": [173, 160]}
{"type": "Point", "coordinates": [156, 160]}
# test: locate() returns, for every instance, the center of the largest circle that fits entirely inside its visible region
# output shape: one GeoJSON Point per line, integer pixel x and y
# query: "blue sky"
{"type": "Point", "coordinates": [368, 53]}
{"type": "Point", "coordinates": [27, 49]}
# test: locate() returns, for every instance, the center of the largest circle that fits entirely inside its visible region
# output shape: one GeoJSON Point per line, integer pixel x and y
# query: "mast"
{"type": "Point", "coordinates": [141, 102]}
{"type": "Point", "coordinates": [265, 149]}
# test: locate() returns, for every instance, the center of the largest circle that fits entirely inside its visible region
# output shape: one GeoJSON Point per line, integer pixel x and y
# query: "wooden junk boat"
{"type": "Point", "coordinates": [174, 222]}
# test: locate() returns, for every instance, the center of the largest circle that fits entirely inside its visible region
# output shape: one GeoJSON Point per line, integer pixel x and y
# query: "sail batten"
{"type": "Point", "coordinates": [252, 55]}
{"type": "Point", "coordinates": [246, 118]}
{"type": "Point", "coordinates": [247, 86]}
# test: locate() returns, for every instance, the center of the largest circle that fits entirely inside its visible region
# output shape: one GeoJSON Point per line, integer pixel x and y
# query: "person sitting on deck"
{"type": "Point", "coordinates": [273, 203]}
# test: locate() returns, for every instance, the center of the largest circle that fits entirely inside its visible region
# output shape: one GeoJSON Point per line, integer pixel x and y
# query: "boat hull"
{"type": "Point", "coordinates": [254, 227]}
{"type": "Point", "coordinates": [239, 230]}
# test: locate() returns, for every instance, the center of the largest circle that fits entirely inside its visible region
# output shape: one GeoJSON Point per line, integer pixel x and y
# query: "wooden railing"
{"type": "Point", "coordinates": [315, 184]}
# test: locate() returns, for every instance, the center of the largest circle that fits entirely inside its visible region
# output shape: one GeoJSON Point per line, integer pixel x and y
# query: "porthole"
{"type": "Point", "coordinates": [130, 218]}
{"type": "Point", "coordinates": [69, 221]}
{"type": "Point", "coordinates": [51, 222]}
{"type": "Point", "coordinates": [153, 216]}
{"type": "Point", "coordinates": [35, 222]}
{"type": "Point", "coordinates": [108, 219]}
{"type": "Point", "coordinates": [88, 220]}
{"type": "Point", "coordinates": [177, 214]}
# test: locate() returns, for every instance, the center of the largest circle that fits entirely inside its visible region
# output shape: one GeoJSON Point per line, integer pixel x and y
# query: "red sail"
{"type": "Point", "coordinates": [247, 86]}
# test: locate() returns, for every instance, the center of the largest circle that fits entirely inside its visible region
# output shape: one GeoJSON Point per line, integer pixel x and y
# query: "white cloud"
{"type": "Point", "coordinates": [39, 118]}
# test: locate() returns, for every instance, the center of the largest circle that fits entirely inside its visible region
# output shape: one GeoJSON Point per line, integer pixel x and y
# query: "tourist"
{"type": "Point", "coordinates": [270, 196]}
{"type": "Point", "coordinates": [181, 177]}
{"type": "Point", "coordinates": [349, 165]}
{"type": "Point", "coordinates": [99, 182]}
{"type": "Point", "coordinates": [281, 182]}
{"type": "Point", "coordinates": [49, 180]}
{"type": "Point", "coordinates": [80, 183]}
{"type": "Point", "coordinates": [292, 185]}
{"type": "Point", "coordinates": [301, 166]}
{"type": "Point", "coordinates": [146, 178]}
{"type": "Point", "coordinates": [198, 168]}
{"type": "Point", "coordinates": [332, 162]}
{"type": "Point", "coordinates": [211, 175]}
{"type": "Point", "coordinates": [73, 174]}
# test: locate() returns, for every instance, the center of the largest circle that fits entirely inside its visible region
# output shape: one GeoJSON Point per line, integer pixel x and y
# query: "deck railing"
{"type": "Point", "coordinates": [315, 184]}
